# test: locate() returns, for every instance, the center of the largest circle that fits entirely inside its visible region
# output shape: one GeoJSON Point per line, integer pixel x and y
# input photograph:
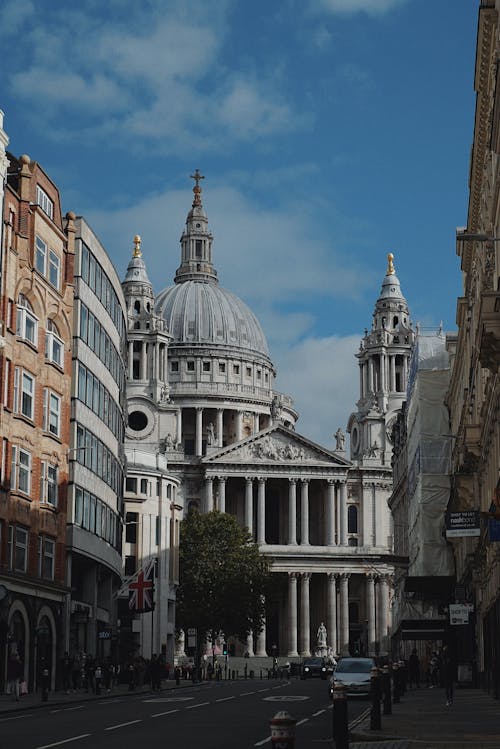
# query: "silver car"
{"type": "Point", "coordinates": [354, 674]}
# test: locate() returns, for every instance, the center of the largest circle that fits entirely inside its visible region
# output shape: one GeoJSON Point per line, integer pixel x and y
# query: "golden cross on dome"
{"type": "Point", "coordinates": [137, 246]}
{"type": "Point", "coordinates": [197, 189]}
{"type": "Point", "coordinates": [390, 265]}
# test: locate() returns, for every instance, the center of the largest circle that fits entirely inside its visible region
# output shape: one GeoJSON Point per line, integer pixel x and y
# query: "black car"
{"type": "Point", "coordinates": [314, 667]}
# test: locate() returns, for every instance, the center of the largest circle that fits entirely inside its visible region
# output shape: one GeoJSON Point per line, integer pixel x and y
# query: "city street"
{"type": "Point", "coordinates": [212, 715]}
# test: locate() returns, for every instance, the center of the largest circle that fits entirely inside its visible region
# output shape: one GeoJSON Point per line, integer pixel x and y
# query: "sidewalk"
{"type": "Point", "coordinates": [33, 701]}
{"type": "Point", "coordinates": [423, 721]}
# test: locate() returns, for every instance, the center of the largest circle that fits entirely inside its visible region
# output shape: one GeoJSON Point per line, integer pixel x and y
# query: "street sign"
{"type": "Point", "coordinates": [191, 637]}
{"type": "Point", "coordinates": [465, 523]}
{"type": "Point", "coordinates": [459, 613]}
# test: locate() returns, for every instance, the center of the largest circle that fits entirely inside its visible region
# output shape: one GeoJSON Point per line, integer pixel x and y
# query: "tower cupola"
{"type": "Point", "coordinates": [196, 242]}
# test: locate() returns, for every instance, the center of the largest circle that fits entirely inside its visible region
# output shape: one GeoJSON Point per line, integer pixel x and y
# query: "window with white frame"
{"type": "Point", "coordinates": [54, 269]}
{"type": "Point", "coordinates": [48, 484]}
{"type": "Point", "coordinates": [46, 557]}
{"type": "Point", "coordinates": [40, 255]}
{"type": "Point", "coordinates": [51, 412]}
{"type": "Point", "coordinates": [24, 393]}
{"type": "Point", "coordinates": [18, 548]}
{"type": "Point", "coordinates": [54, 345]}
{"type": "Point", "coordinates": [6, 383]}
{"type": "Point", "coordinates": [26, 321]}
{"type": "Point", "coordinates": [44, 202]}
{"type": "Point", "coordinates": [20, 476]}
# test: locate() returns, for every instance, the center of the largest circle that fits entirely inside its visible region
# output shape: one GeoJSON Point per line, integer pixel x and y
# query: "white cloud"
{"type": "Point", "coordinates": [322, 377]}
{"type": "Point", "coordinates": [62, 88]}
{"type": "Point", "coordinates": [372, 7]}
{"type": "Point", "coordinates": [13, 15]}
{"type": "Point", "coordinates": [249, 111]}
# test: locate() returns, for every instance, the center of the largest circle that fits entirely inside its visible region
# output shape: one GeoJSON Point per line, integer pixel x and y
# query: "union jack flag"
{"type": "Point", "coordinates": [141, 589]}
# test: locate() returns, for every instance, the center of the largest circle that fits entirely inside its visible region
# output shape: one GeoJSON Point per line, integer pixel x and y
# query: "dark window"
{"type": "Point", "coordinates": [131, 527]}
{"type": "Point", "coordinates": [190, 366]}
{"type": "Point", "coordinates": [131, 485]}
{"type": "Point", "coordinates": [352, 519]}
{"type": "Point", "coordinates": [129, 565]}
{"type": "Point", "coordinates": [137, 420]}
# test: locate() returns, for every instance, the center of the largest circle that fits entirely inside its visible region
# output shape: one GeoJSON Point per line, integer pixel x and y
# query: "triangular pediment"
{"type": "Point", "coordinates": [276, 445]}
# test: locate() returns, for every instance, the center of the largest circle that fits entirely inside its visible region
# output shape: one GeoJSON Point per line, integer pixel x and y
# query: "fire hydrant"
{"type": "Point", "coordinates": [282, 730]}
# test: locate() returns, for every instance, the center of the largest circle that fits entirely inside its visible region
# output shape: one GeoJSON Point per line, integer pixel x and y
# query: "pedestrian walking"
{"type": "Point", "coordinates": [67, 669]}
{"type": "Point", "coordinates": [414, 669]}
{"type": "Point", "coordinates": [44, 679]}
{"type": "Point", "coordinates": [15, 673]}
{"type": "Point", "coordinates": [448, 673]}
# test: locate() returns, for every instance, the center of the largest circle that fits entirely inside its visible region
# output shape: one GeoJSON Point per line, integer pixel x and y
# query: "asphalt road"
{"type": "Point", "coordinates": [212, 715]}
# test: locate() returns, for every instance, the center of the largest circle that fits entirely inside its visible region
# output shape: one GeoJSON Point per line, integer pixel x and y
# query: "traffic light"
{"type": "Point", "coordinates": [224, 648]}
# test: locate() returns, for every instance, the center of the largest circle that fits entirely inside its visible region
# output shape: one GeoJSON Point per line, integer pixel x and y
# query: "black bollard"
{"type": "Point", "coordinates": [340, 718]}
{"type": "Point", "coordinates": [375, 693]}
{"type": "Point", "coordinates": [395, 684]}
{"type": "Point", "coordinates": [386, 691]}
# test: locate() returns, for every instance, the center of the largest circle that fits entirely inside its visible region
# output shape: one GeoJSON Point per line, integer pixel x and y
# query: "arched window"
{"type": "Point", "coordinates": [54, 346]}
{"type": "Point", "coordinates": [26, 321]}
{"type": "Point", "coordinates": [352, 519]}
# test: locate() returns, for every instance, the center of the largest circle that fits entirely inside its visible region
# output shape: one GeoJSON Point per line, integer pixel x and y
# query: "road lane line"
{"type": "Point", "coordinates": [315, 715]}
{"type": "Point", "coordinates": [304, 720]}
{"type": "Point", "coordinates": [80, 707]}
{"type": "Point", "coordinates": [17, 717]}
{"type": "Point", "coordinates": [265, 741]}
{"type": "Point", "coordinates": [266, 689]}
{"type": "Point", "coordinates": [225, 699]}
{"type": "Point", "coordinates": [245, 694]}
{"type": "Point", "coordinates": [122, 725]}
{"type": "Point", "coordinates": [200, 704]}
{"type": "Point", "coordinates": [168, 712]}
{"type": "Point", "coordinates": [65, 741]}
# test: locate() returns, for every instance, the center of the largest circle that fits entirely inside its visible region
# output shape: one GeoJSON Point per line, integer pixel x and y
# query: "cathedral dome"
{"type": "Point", "coordinates": [200, 312]}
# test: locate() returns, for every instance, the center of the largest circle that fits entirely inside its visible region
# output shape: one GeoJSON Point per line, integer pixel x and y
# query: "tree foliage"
{"type": "Point", "coordinates": [223, 577]}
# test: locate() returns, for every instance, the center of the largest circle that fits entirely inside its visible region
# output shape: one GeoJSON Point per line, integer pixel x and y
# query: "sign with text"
{"type": "Point", "coordinates": [465, 523]}
{"type": "Point", "coordinates": [459, 613]}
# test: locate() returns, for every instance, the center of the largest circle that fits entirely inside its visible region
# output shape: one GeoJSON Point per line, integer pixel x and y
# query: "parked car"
{"type": "Point", "coordinates": [354, 674]}
{"type": "Point", "coordinates": [314, 667]}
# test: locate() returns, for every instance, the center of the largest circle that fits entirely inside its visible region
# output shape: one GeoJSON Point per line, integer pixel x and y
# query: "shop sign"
{"type": "Point", "coordinates": [104, 634]}
{"type": "Point", "coordinates": [465, 523]}
{"type": "Point", "coordinates": [459, 613]}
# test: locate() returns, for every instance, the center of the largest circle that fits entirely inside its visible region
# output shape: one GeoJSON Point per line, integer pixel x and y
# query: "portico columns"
{"type": "Point", "coordinates": [304, 524]}
{"type": "Point", "coordinates": [292, 512]}
{"type": "Point", "coordinates": [370, 605]}
{"type": "Point", "coordinates": [219, 426]}
{"type": "Point", "coordinates": [344, 614]}
{"type": "Point", "coordinates": [330, 513]}
{"type": "Point", "coordinates": [305, 622]}
{"type": "Point", "coordinates": [383, 611]}
{"type": "Point", "coordinates": [332, 610]}
{"type": "Point", "coordinates": [261, 511]}
{"type": "Point", "coordinates": [239, 422]}
{"type": "Point", "coordinates": [292, 614]}
{"type": "Point", "coordinates": [209, 494]}
{"type": "Point", "coordinates": [222, 494]}
{"type": "Point", "coordinates": [199, 433]}
{"type": "Point", "coordinates": [249, 505]}
{"type": "Point", "coordinates": [343, 513]}
{"type": "Point", "coordinates": [179, 426]}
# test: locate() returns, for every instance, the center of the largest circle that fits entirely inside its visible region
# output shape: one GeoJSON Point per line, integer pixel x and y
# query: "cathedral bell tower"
{"type": "Point", "coordinates": [148, 337]}
{"type": "Point", "coordinates": [383, 358]}
{"type": "Point", "coordinates": [196, 242]}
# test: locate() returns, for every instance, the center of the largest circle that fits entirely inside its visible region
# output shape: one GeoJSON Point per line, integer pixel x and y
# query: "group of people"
{"type": "Point", "coordinates": [82, 671]}
{"type": "Point", "coordinates": [437, 670]}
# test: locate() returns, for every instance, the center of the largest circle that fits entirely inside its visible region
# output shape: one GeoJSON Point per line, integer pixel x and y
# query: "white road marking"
{"type": "Point", "coordinates": [315, 715]}
{"type": "Point", "coordinates": [304, 720]}
{"type": "Point", "coordinates": [168, 712]}
{"type": "Point", "coordinates": [80, 707]}
{"type": "Point", "coordinates": [266, 689]}
{"type": "Point", "coordinates": [224, 699]}
{"type": "Point", "coordinates": [200, 704]}
{"type": "Point", "coordinates": [285, 698]}
{"type": "Point", "coordinates": [64, 741]}
{"type": "Point", "coordinates": [122, 725]}
{"type": "Point", "coordinates": [265, 741]}
{"type": "Point", "coordinates": [245, 694]}
{"type": "Point", "coordinates": [17, 717]}
{"type": "Point", "coordinates": [170, 699]}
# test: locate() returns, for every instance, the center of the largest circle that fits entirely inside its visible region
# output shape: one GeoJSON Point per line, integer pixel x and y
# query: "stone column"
{"type": "Point", "coordinates": [332, 610]}
{"type": "Point", "coordinates": [305, 620]}
{"type": "Point", "coordinates": [220, 426]}
{"type": "Point", "coordinates": [330, 513]}
{"type": "Point", "coordinates": [178, 416]}
{"type": "Point", "coordinates": [222, 494]}
{"type": "Point", "coordinates": [292, 512]}
{"type": "Point", "coordinates": [131, 360]}
{"type": "Point", "coordinates": [199, 432]}
{"type": "Point", "coordinates": [292, 614]}
{"type": "Point", "coordinates": [144, 361]}
{"type": "Point", "coordinates": [249, 505]}
{"type": "Point", "coordinates": [261, 511]}
{"type": "Point", "coordinates": [370, 608]}
{"type": "Point", "coordinates": [209, 494]}
{"type": "Point", "coordinates": [239, 421]}
{"type": "Point", "coordinates": [250, 645]}
{"type": "Point", "coordinates": [383, 600]}
{"type": "Point", "coordinates": [344, 614]}
{"type": "Point", "coordinates": [382, 372]}
{"type": "Point", "coordinates": [370, 375]}
{"type": "Point", "coordinates": [261, 639]}
{"type": "Point", "coordinates": [361, 380]}
{"type": "Point", "coordinates": [304, 505]}
{"type": "Point", "coordinates": [393, 374]}
{"type": "Point", "coordinates": [343, 514]}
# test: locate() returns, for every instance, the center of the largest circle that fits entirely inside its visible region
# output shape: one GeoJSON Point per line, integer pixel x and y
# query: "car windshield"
{"type": "Point", "coordinates": [358, 666]}
{"type": "Point", "coordinates": [313, 662]}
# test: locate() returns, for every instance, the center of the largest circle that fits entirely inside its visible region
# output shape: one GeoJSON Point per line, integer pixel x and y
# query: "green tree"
{"type": "Point", "coordinates": [222, 575]}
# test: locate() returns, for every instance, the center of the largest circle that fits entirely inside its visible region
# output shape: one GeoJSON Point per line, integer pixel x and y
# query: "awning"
{"type": "Point", "coordinates": [431, 586]}
{"type": "Point", "coordinates": [423, 629]}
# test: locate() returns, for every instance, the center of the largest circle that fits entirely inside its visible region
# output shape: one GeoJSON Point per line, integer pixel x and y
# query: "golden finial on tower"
{"type": "Point", "coordinates": [137, 246]}
{"type": "Point", "coordinates": [197, 189]}
{"type": "Point", "coordinates": [390, 264]}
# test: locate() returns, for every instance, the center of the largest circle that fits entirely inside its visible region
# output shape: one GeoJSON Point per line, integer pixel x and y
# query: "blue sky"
{"type": "Point", "coordinates": [330, 133]}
